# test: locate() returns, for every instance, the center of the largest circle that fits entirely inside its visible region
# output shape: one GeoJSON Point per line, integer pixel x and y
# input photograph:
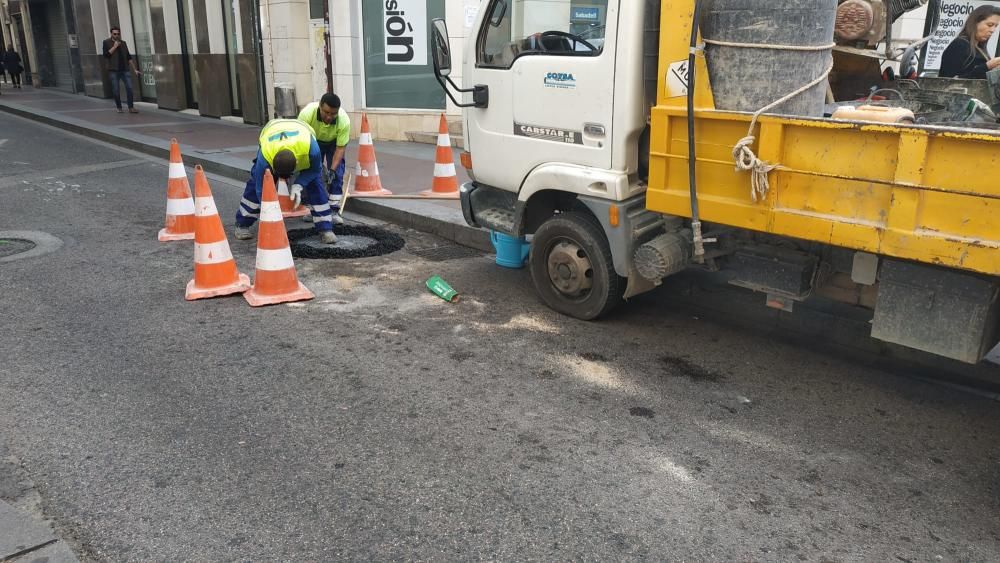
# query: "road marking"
{"type": "Point", "coordinates": [54, 173]}
{"type": "Point", "coordinates": [2, 141]}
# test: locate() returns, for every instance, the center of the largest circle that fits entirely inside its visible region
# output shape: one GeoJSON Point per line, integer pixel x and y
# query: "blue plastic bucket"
{"type": "Point", "coordinates": [511, 252]}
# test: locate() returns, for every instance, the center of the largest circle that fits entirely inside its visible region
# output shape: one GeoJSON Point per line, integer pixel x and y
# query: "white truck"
{"type": "Point", "coordinates": [593, 126]}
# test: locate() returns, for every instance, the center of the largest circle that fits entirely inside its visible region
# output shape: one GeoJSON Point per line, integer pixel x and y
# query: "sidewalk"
{"type": "Point", "coordinates": [226, 148]}
{"type": "Point", "coordinates": [24, 538]}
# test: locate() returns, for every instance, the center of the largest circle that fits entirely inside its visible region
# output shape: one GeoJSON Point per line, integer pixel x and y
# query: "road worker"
{"type": "Point", "coordinates": [287, 147]}
{"type": "Point", "coordinates": [332, 128]}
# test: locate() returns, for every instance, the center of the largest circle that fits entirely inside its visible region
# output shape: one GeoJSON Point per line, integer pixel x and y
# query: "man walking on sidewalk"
{"type": "Point", "coordinates": [287, 146]}
{"type": "Point", "coordinates": [12, 65]}
{"type": "Point", "coordinates": [119, 59]}
{"type": "Point", "coordinates": [332, 127]}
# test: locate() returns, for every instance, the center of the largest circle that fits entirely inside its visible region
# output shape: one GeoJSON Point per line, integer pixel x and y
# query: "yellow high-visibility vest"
{"type": "Point", "coordinates": [291, 134]}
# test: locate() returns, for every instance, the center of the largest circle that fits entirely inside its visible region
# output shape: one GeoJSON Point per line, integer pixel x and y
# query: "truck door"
{"type": "Point", "coordinates": [550, 69]}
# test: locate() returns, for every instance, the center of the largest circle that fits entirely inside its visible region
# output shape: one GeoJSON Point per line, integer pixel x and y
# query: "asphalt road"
{"type": "Point", "coordinates": [380, 422]}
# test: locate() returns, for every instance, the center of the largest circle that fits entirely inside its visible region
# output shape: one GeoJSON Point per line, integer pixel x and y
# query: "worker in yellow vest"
{"type": "Point", "coordinates": [332, 127]}
{"type": "Point", "coordinates": [287, 147]}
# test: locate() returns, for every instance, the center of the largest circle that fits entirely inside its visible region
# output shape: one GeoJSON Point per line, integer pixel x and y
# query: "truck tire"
{"type": "Point", "coordinates": [572, 268]}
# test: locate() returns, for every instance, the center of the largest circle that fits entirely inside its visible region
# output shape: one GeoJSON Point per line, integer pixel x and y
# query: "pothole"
{"type": "Point", "coordinates": [360, 241]}
{"type": "Point", "coordinates": [12, 246]}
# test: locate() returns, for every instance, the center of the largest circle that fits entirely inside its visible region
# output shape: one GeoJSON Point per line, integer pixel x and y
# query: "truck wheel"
{"type": "Point", "coordinates": [572, 268]}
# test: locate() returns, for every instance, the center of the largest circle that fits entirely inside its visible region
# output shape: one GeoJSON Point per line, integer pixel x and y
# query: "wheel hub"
{"type": "Point", "coordinates": [570, 269]}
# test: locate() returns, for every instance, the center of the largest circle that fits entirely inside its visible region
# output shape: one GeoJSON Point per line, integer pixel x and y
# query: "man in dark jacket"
{"type": "Point", "coordinates": [119, 59]}
{"type": "Point", "coordinates": [12, 65]}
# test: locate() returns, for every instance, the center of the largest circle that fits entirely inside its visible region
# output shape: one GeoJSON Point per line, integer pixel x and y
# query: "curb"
{"type": "Point", "coordinates": [459, 233]}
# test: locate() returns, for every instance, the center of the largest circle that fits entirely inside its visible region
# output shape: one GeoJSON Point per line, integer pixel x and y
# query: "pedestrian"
{"type": "Point", "coordinates": [287, 147]}
{"type": "Point", "coordinates": [3, 69]}
{"type": "Point", "coordinates": [332, 127]}
{"type": "Point", "coordinates": [966, 56]}
{"type": "Point", "coordinates": [12, 64]}
{"type": "Point", "coordinates": [119, 59]}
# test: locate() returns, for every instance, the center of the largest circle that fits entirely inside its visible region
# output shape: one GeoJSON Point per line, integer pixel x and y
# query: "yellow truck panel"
{"type": "Point", "coordinates": [921, 193]}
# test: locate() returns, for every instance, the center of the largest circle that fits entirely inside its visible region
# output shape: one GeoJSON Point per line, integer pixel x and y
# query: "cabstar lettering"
{"type": "Point", "coordinates": [405, 32]}
{"type": "Point", "coordinates": [548, 133]}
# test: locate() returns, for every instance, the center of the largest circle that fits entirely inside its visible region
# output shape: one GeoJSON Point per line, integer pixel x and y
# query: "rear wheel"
{"type": "Point", "coordinates": [572, 268]}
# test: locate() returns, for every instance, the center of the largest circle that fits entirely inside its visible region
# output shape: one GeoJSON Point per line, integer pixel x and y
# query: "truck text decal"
{"type": "Point", "coordinates": [560, 80]}
{"type": "Point", "coordinates": [548, 134]}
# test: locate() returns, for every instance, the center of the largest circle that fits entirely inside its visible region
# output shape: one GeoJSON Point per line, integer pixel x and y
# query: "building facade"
{"type": "Point", "coordinates": [259, 59]}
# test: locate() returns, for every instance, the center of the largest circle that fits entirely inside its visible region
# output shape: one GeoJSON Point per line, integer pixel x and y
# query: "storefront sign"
{"type": "Point", "coordinates": [953, 16]}
{"type": "Point", "coordinates": [405, 32]}
{"type": "Point", "coordinates": [586, 15]}
{"type": "Point", "coordinates": [148, 76]}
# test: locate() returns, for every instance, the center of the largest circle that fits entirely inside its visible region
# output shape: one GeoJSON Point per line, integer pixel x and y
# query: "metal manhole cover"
{"type": "Point", "coordinates": [12, 246]}
{"type": "Point", "coordinates": [444, 252]}
{"type": "Point", "coordinates": [352, 242]}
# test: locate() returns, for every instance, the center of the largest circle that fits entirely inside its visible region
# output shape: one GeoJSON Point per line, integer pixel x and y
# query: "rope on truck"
{"type": "Point", "coordinates": [743, 155]}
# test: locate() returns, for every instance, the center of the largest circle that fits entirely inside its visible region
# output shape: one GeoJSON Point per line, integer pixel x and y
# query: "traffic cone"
{"type": "Point", "coordinates": [445, 179]}
{"type": "Point", "coordinates": [285, 201]}
{"type": "Point", "coordinates": [180, 206]}
{"type": "Point", "coordinates": [215, 270]}
{"type": "Point", "coordinates": [275, 280]}
{"type": "Point", "coordinates": [366, 179]}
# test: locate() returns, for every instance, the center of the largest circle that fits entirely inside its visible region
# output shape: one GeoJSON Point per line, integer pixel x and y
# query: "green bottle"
{"type": "Point", "coordinates": [442, 289]}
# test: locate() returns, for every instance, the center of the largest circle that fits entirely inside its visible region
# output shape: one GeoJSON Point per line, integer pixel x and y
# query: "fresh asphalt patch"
{"type": "Point", "coordinates": [354, 241]}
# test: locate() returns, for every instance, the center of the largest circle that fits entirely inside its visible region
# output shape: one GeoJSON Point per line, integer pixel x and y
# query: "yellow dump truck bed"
{"type": "Point", "coordinates": [922, 193]}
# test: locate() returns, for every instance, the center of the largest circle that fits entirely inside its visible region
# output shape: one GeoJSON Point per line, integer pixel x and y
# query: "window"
{"type": "Point", "coordinates": [516, 28]}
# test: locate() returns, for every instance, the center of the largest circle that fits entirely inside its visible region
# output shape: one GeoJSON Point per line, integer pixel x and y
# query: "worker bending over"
{"type": "Point", "coordinates": [287, 147]}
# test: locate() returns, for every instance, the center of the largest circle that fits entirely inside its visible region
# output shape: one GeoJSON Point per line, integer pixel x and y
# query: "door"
{"type": "Point", "coordinates": [551, 91]}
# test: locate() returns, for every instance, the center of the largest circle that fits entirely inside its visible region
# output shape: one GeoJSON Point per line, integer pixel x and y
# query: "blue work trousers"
{"type": "Point", "coordinates": [126, 77]}
{"type": "Point", "coordinates": [313, 196]}
{"type": "Point", "coordinates": [336, 186]}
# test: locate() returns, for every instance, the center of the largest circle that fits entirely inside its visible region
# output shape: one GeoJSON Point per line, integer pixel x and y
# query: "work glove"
{"type": "Point", "coordinates": [295, 193]}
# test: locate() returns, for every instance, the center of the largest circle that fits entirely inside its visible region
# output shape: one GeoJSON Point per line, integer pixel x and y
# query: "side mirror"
{"type": "Point", "coordinates": [442, 68]}
{"type": "Point", "coordinates": [442, 49]}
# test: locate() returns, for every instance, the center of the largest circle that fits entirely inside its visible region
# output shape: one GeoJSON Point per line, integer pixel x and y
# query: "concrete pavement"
{"type": "Point", "coordinates": [26, 538]}
{"type": "Point", "coordinates": [226, 148]}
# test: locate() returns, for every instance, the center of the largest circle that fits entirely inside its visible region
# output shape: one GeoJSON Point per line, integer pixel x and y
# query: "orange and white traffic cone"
{"type": "Point", "coordinates": [285, 201]}
{"type": "Point", "coordinates": [275, 280]}
{"type": "Point", "coordinates": [215, 272]}
{"type": "Point", "coordinates": [180, 206]}
{"type": "Point", "coordinates": [445, 179]}
{"type": "Point", "coordinates": [366, 178]}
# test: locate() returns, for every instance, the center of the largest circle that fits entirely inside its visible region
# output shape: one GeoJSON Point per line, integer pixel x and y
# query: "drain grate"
{"type": "Point", "coordinates": [12, 246]}
{"type": "Point", "coordinates": [444, 252]}
{"type": "Point", "coordinates": [353, 242]}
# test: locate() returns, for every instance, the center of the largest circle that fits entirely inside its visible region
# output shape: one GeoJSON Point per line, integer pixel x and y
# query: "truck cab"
{"type": "Point", "coordinates": [560, 135]}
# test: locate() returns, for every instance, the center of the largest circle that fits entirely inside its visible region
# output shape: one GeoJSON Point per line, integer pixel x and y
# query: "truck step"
{"type": "Point", "coordinates": [496, 219]}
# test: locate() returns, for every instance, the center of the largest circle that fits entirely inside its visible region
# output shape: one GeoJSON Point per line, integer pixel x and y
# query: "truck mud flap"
{"type": "Point", "coordinates": [945, 312]}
